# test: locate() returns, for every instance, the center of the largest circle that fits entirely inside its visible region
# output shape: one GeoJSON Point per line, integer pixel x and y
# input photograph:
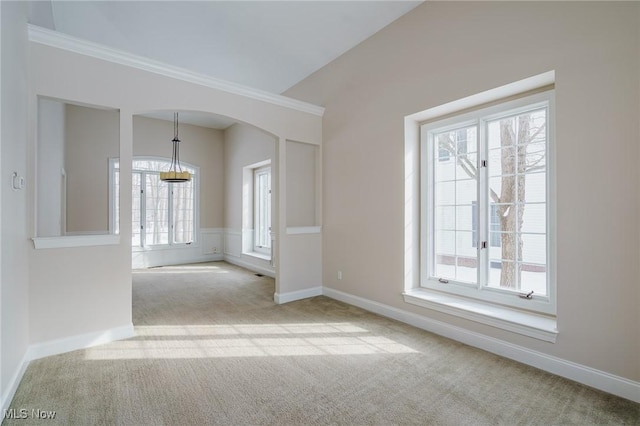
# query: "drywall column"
{"type": "Point", "coordinates": [299, 246]}
{"type": "Point", "coordinates": [279, 214]}
{"type": "Point", "coordinates": [14, 278]}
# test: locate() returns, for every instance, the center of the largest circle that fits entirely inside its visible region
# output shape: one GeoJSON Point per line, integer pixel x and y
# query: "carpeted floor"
{"type": "Point", "coordinates": [213, 348]}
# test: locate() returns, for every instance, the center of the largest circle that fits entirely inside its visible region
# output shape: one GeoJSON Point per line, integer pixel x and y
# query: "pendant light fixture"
{"type": "Point", "coordinates": [175, 173]}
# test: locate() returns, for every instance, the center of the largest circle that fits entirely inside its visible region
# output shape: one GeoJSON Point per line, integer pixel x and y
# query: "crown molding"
{"type": "Point", "coordinates": [76, 45]}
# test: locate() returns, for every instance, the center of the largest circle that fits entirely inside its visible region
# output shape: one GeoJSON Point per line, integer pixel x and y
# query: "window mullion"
{"type": "Point", "coordinates": [143, 210]}
{"type": "Point", "coordinates": [483, 205]}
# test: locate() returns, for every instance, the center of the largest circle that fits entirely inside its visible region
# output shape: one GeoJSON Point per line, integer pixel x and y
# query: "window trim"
{"type": "Point", "coordinates": [480, 116]}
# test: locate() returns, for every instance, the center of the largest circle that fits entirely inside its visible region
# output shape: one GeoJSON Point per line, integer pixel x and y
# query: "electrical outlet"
{"type": "Point", "coordinates": [339, 275]}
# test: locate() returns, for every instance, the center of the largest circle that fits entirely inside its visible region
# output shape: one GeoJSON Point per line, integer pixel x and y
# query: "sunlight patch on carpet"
{"type": "Point", "coordinates": [246, 329]}
{"type": "Point", "coordinates": [247, 340]}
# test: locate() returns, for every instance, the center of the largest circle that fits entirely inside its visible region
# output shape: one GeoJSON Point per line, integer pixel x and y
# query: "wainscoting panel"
{"type": "Point", "coordinates": [234, 240]}
{"type": "Point", "coordinates": [207, 248]}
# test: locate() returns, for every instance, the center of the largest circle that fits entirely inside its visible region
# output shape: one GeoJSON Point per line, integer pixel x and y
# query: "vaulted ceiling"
{"type": "Point", "coordinates": [268, 45]}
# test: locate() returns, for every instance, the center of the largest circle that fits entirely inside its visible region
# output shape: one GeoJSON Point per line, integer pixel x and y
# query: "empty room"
{"type": "Point", "coordinates": [310, 213]}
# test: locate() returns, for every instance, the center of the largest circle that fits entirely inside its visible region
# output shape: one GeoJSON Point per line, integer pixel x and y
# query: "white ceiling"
{"type": "Point", "coordinates": [267, 45]}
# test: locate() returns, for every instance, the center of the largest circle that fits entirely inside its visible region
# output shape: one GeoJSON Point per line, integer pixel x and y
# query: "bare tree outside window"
{"type": "Point", "coordinates": [516, 153]}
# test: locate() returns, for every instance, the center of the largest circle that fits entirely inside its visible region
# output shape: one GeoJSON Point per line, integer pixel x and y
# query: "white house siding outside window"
{"type": "Point", "coordinates": [486, 222]}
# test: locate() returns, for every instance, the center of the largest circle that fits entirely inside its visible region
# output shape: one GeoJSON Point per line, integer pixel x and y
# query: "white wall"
{"type": "Point", "coordinates": [244, 146]}
{"type": "Point", "coordinates": [92, 138]}
{"type": "Point", "coordinates": [302, 185]}
{"type": "Point", "coordinates": [14, 276]}
{"type": "Point", "coordinates": [443, 51]}
{"type": "Point", "coordinates": [50, 166]}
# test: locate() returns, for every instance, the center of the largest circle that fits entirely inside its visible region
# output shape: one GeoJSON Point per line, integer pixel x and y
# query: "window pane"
{"type": "Point", "coordinates": [466, 192]}
{"type": "Point", "coordinates": [445, 242]}
{"type": "Point", "coordinates": [503, 218]}
{"type": "Point", "coordinates": [157, 166]}
{"type": "Point", "coordinates": [502, 274]}
{"type": "Point", "coordinates": [467, 269]}
{"type": "Point", "coordinates": [502, 265]}
{"type": "Point", "coordinates": [493, 135]}
{"type": "Point", "coordinates": [534, 248]}
{"type": "Point", "coordinates": [466, 166]}
{"type": "Point", "coordinates": [535, 127]}
{"type": "Point", "coordinates": [183, 211]}
{"type": "Point", "coordinates": [445, 193]}
{"type": "Point", "coordinates": [533, 187]}
{"type": "Point", "coordinates": [157, 210]}
{"type": "Point", "coordinates": [445, 266]}
{"type": "Point", "coordinates": [502, 188]}
{"type": "Point", "coordinates": [535, 156]}
{"type": "Point", "coordinates": [454, 193]}
{"type": "Point", "coordinates": [464, 244]}
{"type": "Point", "coordinates": [464, 218]}
{"type": "Point", "coordinates": [467, 138]}
{"type": "Point", "coordinates": [446, 218]}
{"type": "Point", "coordinates": [534, 218]}
{"type": "Point", "coordinates": [517, 161]}
{"type": "Point", "coordinates": [456, 143]}
{"type": "Point", "coordinates": [500, 157]}
{"type": "Point", "coordinates": [446, 149]}
{"type": "Point", "coordinates": [445, 170]}
{"type": "Point", "coordinates": [501, 132]}
{"type": "Point", "coordinates": [534, 278]}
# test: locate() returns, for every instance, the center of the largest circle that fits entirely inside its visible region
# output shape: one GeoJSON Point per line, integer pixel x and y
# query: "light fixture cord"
{"type": "Point", "coordinates": [175, 160]}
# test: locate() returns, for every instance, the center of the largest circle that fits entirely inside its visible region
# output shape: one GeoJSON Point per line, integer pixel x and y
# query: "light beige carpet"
{"type": "Point", "coordinates": [213, 348]}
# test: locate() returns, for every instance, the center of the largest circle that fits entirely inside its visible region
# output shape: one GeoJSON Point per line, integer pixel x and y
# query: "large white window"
{"type": "Point", "coordinates": [485, 223]}
{"type": "Point", "coordinates": [262, 209]}
{"type": "Point", "coordinates": [163, 214]}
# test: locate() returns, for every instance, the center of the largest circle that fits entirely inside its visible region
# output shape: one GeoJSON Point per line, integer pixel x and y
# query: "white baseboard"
{"type": "Point", "coordinates": [185, 261]}
{"type": "Point", "coordinates": [598, 379]}
{"type": "Point", "coordinates": [239, 261]}
{"type": "Point", "coordinates": [58, 346]}
{"type": "Point", "coordinates": [13, 384]}
{"type": "Point", "coordinates": [292, 296]}
{"type": "Point", "coordinates": [82, 341]}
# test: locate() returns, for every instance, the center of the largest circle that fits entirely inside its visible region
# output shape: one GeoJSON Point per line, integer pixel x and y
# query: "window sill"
{"type": "Point", "coordinates": [161, 247]}
{"type": "Point", "coordinates": [518, 321]}
{"type": "Point", "coordinates": [296, 230]}
{"type": "Point", "coordinates": [258, 255]}
{"type": "Point", "coordinates": [69, 241]}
